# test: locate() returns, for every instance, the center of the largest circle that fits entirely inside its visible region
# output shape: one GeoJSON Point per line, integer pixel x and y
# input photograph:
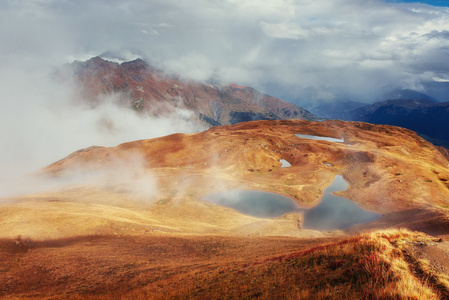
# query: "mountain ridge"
{"type": "Point", "coordinates": [149, 90]}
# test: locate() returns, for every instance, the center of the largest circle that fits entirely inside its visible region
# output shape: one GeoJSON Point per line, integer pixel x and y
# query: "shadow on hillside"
{"type": "Point", "coordinates": [20, 245]}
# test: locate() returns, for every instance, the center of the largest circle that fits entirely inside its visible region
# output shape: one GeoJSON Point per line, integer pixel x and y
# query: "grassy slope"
{"type": "Point", "coordinates": [376, 265]}
{"type": "Point", "coordinates": [106, 240]}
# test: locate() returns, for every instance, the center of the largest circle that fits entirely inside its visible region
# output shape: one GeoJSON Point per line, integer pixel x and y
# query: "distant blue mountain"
{"type": "Point", "coordinates": [428, 118]}
{"type": "Point", "coordinates": [406, 94]}
{"type": "Point", "coordinates": [337, 109]}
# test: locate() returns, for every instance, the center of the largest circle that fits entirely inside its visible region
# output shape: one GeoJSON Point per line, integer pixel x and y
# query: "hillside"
{"type": "Point", "coordinates": [373, 158]}
{"type": "Point", "coordinates": [131, 220]}
{"type": "Point", "coordinates": [150, 90]}
{"type": "Point", "coordinates": [383, 264]}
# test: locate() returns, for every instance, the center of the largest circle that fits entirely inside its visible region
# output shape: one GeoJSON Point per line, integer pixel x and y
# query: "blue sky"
{"type": "Point", "coordinates": [431, 2]}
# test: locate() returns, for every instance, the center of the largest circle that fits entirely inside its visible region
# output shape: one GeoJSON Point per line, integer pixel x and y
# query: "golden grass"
{"type": "Point", "coordinates": [375, 265]}
{"type": "Point", "coordinates": [369, 266]}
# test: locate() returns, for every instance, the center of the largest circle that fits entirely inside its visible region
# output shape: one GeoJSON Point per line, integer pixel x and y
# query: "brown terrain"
{"type": "Point", "coordinates": [131, 221]}
{"type": "Point", "coordinates": [147, 89]}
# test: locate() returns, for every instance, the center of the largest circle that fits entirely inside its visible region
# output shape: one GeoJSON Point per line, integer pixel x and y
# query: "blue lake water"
{"type": "Point", "coordinates": [254, 203]}
{"type": "Point", "coordinates": [333, 212]}
{"type": "Point", "coordinates": [320, 138]}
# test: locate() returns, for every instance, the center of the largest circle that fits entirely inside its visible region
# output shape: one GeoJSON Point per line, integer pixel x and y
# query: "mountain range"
{"type": "Point", "coordinates": [428, 118]}
{"type": "Point", "coordinates": [406, 108]}
{"type": "Point", "coordinates": [149, 90]}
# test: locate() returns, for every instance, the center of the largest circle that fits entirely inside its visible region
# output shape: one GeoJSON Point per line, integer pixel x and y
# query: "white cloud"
{"type": "Point", "coordinates": [291, 44]}
{"type": "Point", "coordinates": [438, 79]}
{"type": "Point", "coordinates": [294, 34]}
{"type": "Point", "coordinates": [191, 65]}
{"type": "Point", "coordinates": [284, 31]}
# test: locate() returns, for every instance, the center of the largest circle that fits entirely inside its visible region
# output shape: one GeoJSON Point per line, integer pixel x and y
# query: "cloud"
{"type": "Point", "coordinates": [284, 31]}
{"type": "Point", "coordinates": [355, 47]}
{"type": "Point", "coordinates": [437, 79]}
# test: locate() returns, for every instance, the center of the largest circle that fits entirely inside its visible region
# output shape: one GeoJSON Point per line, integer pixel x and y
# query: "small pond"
{"type": "Point", "coordinates": [333, 212]}
{"type": "Point", "coordinates": [254, 203]}
{"type": "Point", "coordinates": [320, 138]}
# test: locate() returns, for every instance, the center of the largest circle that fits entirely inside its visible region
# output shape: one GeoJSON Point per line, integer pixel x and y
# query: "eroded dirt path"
{"type": "Point", "coordinates": [436, 254]}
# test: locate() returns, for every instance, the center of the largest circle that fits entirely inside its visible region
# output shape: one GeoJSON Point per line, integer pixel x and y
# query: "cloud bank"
{"type": "Point", "coordinates": [294, 49]}
{"type": "Point", "coordinates": [41, 120]}
{"type": "Point", "coordinates": [300, 46]}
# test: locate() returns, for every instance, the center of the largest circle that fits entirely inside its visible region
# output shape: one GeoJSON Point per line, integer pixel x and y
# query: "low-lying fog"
{"type": "Point", "coordinates": [42, 121]}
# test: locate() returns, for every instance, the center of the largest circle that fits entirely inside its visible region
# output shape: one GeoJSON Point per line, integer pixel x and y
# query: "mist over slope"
{"type": "Point", "coordinates": [42, 119]}
{"type": "Point", "coordinates": [390, 170]}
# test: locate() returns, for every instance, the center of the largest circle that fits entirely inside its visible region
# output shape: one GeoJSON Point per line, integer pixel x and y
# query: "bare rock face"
{"type": "Point", "coordinates": [147, 89]}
